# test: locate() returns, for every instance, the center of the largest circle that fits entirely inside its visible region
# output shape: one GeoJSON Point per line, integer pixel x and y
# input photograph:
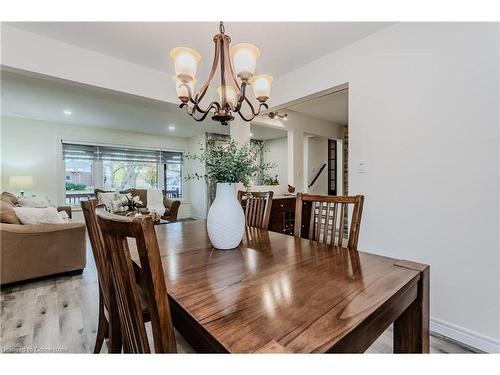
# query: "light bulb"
{"type": "Point", "coordinates": [186, 62]}
{"type": "Point", "coordinates": [261, 85]}
{"type": "Point", "coordinates": [244, 57]}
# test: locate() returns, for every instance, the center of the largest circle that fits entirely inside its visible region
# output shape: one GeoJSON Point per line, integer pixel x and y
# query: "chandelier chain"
{"type": "Point", "coordinates": [221, 27]}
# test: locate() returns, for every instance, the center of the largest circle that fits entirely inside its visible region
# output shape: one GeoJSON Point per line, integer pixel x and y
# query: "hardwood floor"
{"type": "Point", "coordinates": [59, 315]}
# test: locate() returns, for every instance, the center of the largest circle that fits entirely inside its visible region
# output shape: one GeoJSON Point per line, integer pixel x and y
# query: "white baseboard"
{"type": "Point", "coordinates": [460, 334]}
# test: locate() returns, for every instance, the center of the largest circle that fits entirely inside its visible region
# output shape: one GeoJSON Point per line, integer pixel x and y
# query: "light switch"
{"type": "Point", "coordinates": [362, 166]}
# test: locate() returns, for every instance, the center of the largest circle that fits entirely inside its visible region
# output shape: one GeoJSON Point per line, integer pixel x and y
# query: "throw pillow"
{"type": "Point", "coordinates": [33, 202]}
{"type": "Point", "coordinates": [63, 215]}
{"type": "Point", "coordinates": [33, 215]}
{"type": "Point", "coordinates": [7, 213]}
{"type": "Point", "coordinates": [106, 198]}
{"type": "Point", "coordinates": [155, 201]}
{"type": "Point", "coordinates": [10, 197]}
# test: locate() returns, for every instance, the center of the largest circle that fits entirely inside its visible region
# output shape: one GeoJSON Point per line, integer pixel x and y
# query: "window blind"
{"type": "Point", "coordinates": [79, 152]}
{"type": "Point", "coordinates": [75, 151]}
{"type": "Point", "coordinates": [129, 154]}
{"type": "Point", "coordinates": [171, 157]}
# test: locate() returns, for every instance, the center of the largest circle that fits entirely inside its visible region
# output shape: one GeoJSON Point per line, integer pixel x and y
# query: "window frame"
{"type": "Point", "coordinates": [181, 187]}
{"type": "Point", "coordinates": [98, 166]}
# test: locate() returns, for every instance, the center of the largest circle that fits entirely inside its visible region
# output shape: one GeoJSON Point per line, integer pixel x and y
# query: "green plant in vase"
{"type": "Point", "coordinates": [227, 164]}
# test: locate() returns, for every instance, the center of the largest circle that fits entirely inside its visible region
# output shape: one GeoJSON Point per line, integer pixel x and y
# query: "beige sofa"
{"type": "Point", "coordinates": [37, 250]}
{"type": "Point", "coordinates": [171, 206]}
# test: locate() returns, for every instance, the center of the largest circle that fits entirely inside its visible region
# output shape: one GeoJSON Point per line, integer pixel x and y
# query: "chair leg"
{"type": "Point", "coordinates": [102, 327]}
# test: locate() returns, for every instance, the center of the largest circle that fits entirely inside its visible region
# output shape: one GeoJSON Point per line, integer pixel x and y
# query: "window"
{"type": "Point", "coordinates": [78, 172]}
{"type": "Point", "coordinates": [125, 168]}
{"type": "Point", "coordinates": [172, 169]}
{"type": "Point", "coordinates": [121, 175]}
{"type": "Point", "coordinates": [117, 168]}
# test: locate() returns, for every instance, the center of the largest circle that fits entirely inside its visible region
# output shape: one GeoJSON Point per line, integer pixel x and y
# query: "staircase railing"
{"type": "Point", "coordinates": [316, 175]}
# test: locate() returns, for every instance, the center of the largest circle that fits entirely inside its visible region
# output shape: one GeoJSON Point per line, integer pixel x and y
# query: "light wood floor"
{"type": "Point", "coordinates": [60, 315]}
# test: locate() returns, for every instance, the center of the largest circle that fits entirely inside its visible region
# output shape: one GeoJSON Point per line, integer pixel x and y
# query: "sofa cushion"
{"type": "Point", "coordinates": [7, 213]}
{"type": "Point", "coordinates": [10, 197]}
{"type": "Point", "coordinates": [106, 199]}
{"type": "Point", "coordinates": [33, 215]}
{"type": "Point", "coordinates": [155, 201]}
{"type": "Point", "coordinates": [33, 202]}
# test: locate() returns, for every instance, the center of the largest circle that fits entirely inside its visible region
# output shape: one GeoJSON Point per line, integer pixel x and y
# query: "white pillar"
{"type": "Point", "coordinates": [239, 130]}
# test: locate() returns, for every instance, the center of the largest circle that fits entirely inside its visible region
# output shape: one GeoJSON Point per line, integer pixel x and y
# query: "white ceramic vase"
{"type": "Point", "coordinates": [225, 220]}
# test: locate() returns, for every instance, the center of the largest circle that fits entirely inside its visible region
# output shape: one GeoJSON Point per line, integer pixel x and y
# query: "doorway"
{"type": "Point", "coordinates": [325, 124]}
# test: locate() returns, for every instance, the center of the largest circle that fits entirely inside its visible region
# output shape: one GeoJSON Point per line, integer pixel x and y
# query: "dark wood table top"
{"type": "Point", "coordinates": [279, 292]}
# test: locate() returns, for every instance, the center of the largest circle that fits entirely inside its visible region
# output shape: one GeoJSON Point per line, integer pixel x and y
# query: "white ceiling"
{"type": "Point", "coordinates": [332, 107]}
{"type": "Point", "coordinates": [44, 98]}
{"type": "Point", "coordinates": [284, 46]}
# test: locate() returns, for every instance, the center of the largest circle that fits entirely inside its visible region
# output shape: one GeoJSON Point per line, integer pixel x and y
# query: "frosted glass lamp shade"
{"type": "Point", "coordinates": [182, 88]}
{"type": "Point", "coordinates": [262, 86]}
{"type": "Point", "coordinates": [244, 57]}
{"type": "Point", "coordinates": [186, 62]}
{"type": "Point", "coordinates": [230, 95]}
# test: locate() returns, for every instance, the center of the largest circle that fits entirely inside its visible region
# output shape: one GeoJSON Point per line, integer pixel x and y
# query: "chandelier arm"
{"type": "Point", "coordinates": [213, 105]}
{"type": "Point", "coordinates": [244, 118]}
{"type": "Point", "coordinates": [204, 88]}
{"type": "Point", "coordinates": [242, 96]}
{"type": "Point", "coordinates": [191, 111]}
{"type": "Point", "coordinates": [252, 108]}
{"type": "Point", "coordinates": [196, 105]}
{"type": "Point", "coordinates": [261, 105]}
{"type": "Point", "coordinates": [223, 96]}
{"type": "Point", "coordinates": [229, 67]}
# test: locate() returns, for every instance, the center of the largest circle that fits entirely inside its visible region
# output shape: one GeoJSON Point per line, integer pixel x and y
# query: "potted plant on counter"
{"type": "Point", "coordinates": [227, 164]}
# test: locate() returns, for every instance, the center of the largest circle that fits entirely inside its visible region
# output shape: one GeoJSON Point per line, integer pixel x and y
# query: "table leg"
{"type": "Point", "coordinates": [411, 329]}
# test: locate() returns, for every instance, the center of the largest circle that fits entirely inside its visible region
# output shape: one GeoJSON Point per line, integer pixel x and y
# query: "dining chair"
{"type": "Point", "coordinates": [115, 231]}
{"type": "Point", "coordinates": [257, 207]}
{"type": "Point", "coordinates": [331, 220]}
{"type": "Point", "coordinates": [108, 325]}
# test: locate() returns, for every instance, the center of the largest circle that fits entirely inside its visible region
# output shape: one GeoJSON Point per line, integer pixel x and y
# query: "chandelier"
{"type": "Point", "coordinates": [237, 68]}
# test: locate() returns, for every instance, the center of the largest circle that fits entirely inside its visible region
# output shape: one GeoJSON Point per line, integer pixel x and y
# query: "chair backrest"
{"type": "Point", "coordinates": [173, 208]}
{"type": "Point", "coordinates": [115, 230]}
{"type": "Point", "coordinates": [257, 208]}
{"type": "Point", "coordinates": [330, 221]}
{"type": "Point", "coordinates": [98, 249]}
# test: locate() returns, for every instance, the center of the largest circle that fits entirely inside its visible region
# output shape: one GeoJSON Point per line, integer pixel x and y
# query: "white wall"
{"type": "Point", "coordinates": [276, 152]}
{"type": "Point", "coordinates": [31, 147]}
{"type": "Point", "coordinates": [424, 115]}
{"type": "Point", "coordinates": [317, 155]}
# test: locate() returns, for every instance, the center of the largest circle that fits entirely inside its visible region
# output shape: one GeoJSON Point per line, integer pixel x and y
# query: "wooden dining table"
{"type": "Point", "coordinates": [281, 294]}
